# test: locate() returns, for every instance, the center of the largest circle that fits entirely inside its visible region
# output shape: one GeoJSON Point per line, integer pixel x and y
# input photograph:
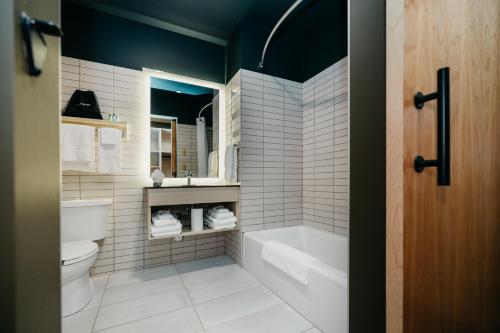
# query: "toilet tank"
{"type": "Point", "coordinates": [84, 219]}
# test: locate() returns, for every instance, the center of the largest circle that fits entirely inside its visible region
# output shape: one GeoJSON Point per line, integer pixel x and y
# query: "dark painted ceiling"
{"type": "Point", "coordinates": [218, 18]}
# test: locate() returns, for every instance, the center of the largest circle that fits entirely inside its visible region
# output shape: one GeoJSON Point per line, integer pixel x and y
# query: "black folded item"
{"type": "Point", "coordinates": [83, 104]}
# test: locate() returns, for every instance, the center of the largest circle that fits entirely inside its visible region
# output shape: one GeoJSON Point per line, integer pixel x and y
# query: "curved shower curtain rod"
{"type": "Point", "coordinates": [203, 108]}
{"type": "Point", "coordinates": [295, 4]}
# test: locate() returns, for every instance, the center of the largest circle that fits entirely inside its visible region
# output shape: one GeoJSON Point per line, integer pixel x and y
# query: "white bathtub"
{"type": "Point", "coordinates": [324, 300]}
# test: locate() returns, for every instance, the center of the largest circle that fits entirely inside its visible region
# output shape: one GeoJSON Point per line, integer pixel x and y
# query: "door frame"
{"type": "Point", "coordinates": [367, 197]}
{"type": "Point", "coordinates": [395, 164]}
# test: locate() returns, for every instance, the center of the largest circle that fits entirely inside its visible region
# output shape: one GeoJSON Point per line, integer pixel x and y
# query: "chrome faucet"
{"type": "Point", "coordinates": [188, 174]}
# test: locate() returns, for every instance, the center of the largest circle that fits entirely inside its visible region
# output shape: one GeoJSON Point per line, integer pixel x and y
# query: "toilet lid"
{"type": "Point", "coordinates": [73, 252]}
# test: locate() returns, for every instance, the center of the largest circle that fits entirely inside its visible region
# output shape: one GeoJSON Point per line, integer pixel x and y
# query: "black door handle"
{"type": "Point", "coordinates": [443, 128]}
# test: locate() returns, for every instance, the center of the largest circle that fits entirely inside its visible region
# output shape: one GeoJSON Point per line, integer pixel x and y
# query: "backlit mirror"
{"type": "Point", "coordinates": [184, 128]}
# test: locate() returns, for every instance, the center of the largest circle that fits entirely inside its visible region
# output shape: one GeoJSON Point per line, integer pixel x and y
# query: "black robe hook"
{"type": "Point", "coordinates": [32, 27]}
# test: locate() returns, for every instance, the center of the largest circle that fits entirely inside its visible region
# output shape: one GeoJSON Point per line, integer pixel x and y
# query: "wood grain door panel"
{"type": "Point", "coordinates": [452, 234]}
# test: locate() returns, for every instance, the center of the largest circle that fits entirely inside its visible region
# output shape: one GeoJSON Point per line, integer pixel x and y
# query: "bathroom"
{"type": "Point", "coordinates": [244, 166]}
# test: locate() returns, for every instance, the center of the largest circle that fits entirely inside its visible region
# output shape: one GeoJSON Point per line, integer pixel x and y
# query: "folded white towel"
{"type": "Point", "coordinates": [109, 152]}
{"type": "Point", "coordinates": [223, 221]}
{"type": "Point", "coordinates": [159, 223]}
{"type": "Point", "coordinates": [218, 215]}
{"type": "Point", "coordinates": [220, 227]}
{"type": "Point", "coordinates": [218, 209]}
{"type": "Point", "coordinates": [164, 216]}
{"type": "Point", "coordinates": [291, 261]}
{"type": "Point", "coordinates": [161, 230]}
{"type": "Point", "coordinates": [171, 233]}
{"type": "Point", "coordinates": [78, 147]}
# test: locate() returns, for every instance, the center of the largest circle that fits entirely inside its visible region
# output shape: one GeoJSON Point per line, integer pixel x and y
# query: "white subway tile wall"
{"type": "Point", "coordinates": [125, 246]}
{"type": "Point", "coordinates": [293, 151]}
{"type": "Point", "coordinates": [232, 241]}
{"type": "Point", "coordinates": [187, 153]}
{"type": "Point", "coordinates": [326, 150]}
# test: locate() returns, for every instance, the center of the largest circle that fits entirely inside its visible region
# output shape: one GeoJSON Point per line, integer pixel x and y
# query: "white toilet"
{"type": "Point", "coordinates": [82, 222]}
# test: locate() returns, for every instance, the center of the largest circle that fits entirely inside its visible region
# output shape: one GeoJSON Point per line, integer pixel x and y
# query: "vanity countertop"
{"type": "Point", "coordinates": [193, 186]}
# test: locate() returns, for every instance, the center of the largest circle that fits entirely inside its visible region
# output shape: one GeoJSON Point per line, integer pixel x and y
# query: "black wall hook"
{"type": "Point", "coordinates": [29, 26]}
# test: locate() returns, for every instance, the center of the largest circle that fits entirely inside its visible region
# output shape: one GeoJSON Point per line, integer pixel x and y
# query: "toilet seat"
{"type": "Point", "coordinates": [75, 252]}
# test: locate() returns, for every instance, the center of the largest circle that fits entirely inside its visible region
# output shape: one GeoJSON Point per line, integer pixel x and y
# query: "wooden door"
{"type": "Point", "coordinates": [452, 233]}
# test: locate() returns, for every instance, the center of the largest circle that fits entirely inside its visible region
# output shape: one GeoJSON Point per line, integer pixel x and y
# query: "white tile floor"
{"type": "Point", "coordinates": [212, 295]}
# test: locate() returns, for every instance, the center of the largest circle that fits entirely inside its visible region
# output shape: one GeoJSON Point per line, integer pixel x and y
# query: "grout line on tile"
{"type": "Point", "coordinates": [147, 317]}
{"type": "Point", "coordinates": [190, 299]}
{"type": "Point", "coordinates": [100, 302]}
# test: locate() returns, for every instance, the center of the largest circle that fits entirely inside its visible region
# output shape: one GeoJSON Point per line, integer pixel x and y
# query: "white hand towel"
{"type": "Point", "coordinates": [78, 147]}
{"type": "Point", "coordinates": [291, 261]}
{"type": "Point", "coordinates": [231, 164]}
{"type": "Point", "coordinates": [159, 223]}
{"type": "Point", "coordinates": [109, 153]}
{"type": "Point", "coordinates": [213, 164]}
{"type": "Point", "coordinates": [157, 230]}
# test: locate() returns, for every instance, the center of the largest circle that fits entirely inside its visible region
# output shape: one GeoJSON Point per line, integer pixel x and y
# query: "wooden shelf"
{"type": "Point", "coordinates": [186, 231]}
{"type": "Point", "coordinates": [174, 196]}
{"type": "Point", "coordinates": [97, 123]}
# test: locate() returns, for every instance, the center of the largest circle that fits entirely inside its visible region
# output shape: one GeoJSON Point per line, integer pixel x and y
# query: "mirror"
{"type": "Point", "coordinates": [184, 129]}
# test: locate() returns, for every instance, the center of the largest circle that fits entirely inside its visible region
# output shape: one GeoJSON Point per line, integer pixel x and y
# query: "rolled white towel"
{"type": "Point", "coordinates": [217, 221]}
{"type": "Point", "coordinates": [159, 223]}
{"type": "Point", "coordinates": [161, 230]}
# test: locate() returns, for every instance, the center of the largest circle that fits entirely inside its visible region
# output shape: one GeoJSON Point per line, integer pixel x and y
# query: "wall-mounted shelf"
{"type": "Point", "coordinates": [164, 196]}
{"type": "Point", "coordinates": [97, 123]}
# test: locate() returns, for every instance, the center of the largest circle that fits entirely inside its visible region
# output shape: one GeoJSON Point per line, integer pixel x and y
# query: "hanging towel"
{"type": "Point", "coordinates": [110, 140]}
{"type": "Point", "coordinates": [291, 261]}
{"type": "Point", "coordinates": [231, 164]}
{"type": "Point", "coordinates": [213, 164]}
{"type": "Point", "coordinates": [202, 147]}
{"type": "Point", "coordinates": [78, 147]}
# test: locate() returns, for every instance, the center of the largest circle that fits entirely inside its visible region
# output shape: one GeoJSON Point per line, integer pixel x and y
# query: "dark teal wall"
{"type": "Point", "coordinates": [183, 106]}
{"type": "Point", "coordinates": [108, 39]}
{"type": "Point", "coordinates": [310, 40]}
{"type": "Point", "coordinates": [313, 38]}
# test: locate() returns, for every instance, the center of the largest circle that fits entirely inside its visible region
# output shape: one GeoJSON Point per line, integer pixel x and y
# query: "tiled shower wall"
{"type": "Point", "coordinates": [326, 155]}
{"type": "Point", "coordinates": [269, 113]}
{"type": "Point", "coordinates": [125, 246]}
{"type": "Point", "coordinates": [293, 151]}
{"type": "Point", "coordinates": [187, 153]}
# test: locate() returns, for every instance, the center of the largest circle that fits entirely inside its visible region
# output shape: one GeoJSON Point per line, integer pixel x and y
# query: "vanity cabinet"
{"type": "Point", "coordinates": [207, 196]}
